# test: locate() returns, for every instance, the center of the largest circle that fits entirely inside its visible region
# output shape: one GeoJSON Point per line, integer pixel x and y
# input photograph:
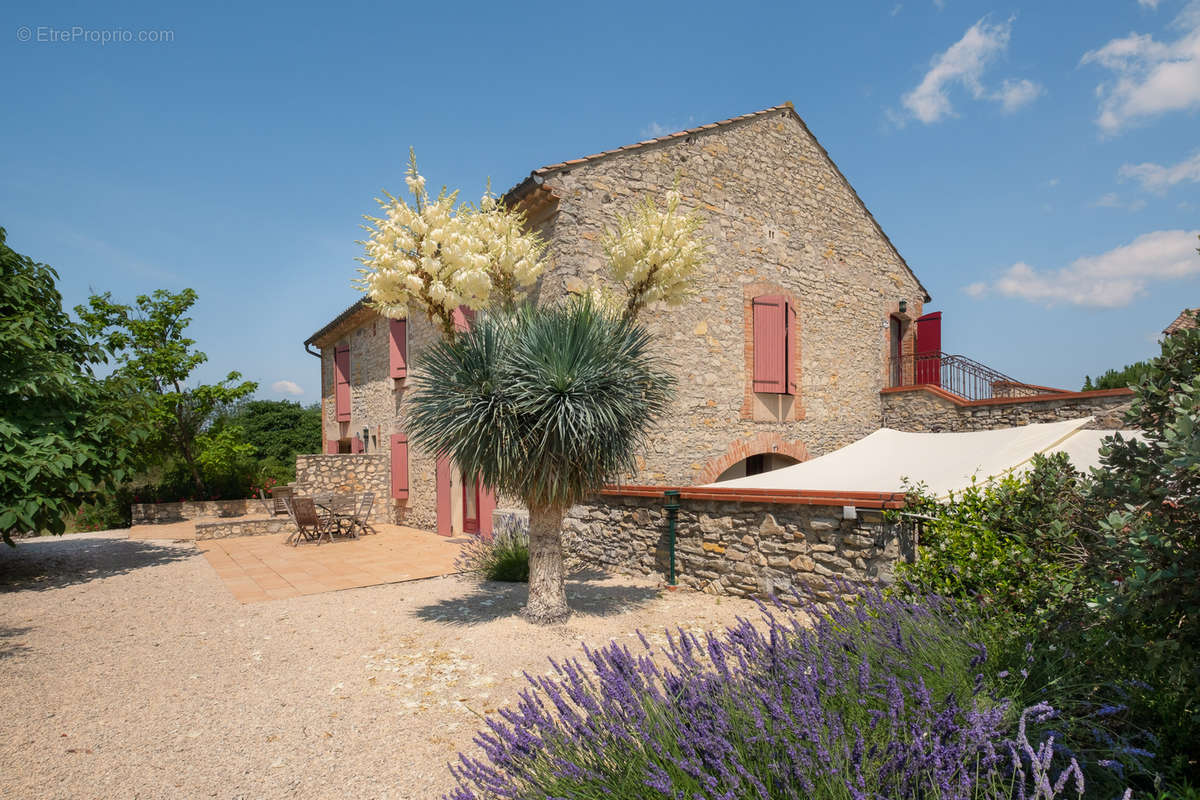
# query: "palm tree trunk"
{"type": "Point", "coordinates": [547, 604]}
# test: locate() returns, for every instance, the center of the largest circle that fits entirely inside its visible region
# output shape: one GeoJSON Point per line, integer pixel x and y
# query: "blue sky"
{"type": "Point", "coordinates": [1038, 165]}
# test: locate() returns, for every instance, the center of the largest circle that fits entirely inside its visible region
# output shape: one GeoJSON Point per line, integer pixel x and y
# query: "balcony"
{"type": "Point", "coordinates": [961, 376]}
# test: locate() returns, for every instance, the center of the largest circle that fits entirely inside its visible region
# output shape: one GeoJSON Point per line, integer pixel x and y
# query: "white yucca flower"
{"type": "Point", "coordinates": [654, 254]}
{"type": "Point", "coordinates": [436, 257]}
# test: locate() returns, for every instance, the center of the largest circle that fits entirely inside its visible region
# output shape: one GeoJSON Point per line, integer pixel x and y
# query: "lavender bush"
{"type": "Point", "coordinates": [879, 699]}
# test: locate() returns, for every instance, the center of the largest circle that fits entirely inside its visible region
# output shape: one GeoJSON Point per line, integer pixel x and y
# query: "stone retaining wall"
{"type": "Point", "coordinates": [162, 513]}
{"type": "Point", "coordinates": [736, 548]}
{"type": "Point", "coordinates": [348, 474]}
{"type": "Point", "coordinates": [250, 527]}
{"type": "Point", "coordinates": [921, 409]}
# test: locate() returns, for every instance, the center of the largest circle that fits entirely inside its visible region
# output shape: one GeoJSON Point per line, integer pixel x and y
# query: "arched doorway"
{"type": "Point", "coordinates": [756, 464]}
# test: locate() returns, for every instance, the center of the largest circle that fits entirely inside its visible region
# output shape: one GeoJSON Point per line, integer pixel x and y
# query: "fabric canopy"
{"type": "Point", "coordinates": [944, 462]}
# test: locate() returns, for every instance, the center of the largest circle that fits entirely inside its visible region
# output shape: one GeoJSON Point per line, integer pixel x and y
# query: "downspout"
{"type": "Point", "coordinates": [672, 507]}
{"type": "Point", "coordinates": [308, 349]}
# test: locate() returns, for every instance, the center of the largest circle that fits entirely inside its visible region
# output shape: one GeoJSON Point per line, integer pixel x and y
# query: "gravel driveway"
{"type": "Point", "coordinates": [130, 671]}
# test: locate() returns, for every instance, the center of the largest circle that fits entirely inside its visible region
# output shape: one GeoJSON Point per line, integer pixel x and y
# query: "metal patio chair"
{"type": "Point", "coordinates": [361, 518]}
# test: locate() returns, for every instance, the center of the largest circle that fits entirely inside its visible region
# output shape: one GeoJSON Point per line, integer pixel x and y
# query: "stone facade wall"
{"type": "Point", "coordinates": [348, 474]}
{"type": "Point", "coordinates": [920, 410]}
{"type": "Point", "coordinates": [160, 513]}
{"type": "Point", "coordinates": [779, 216]}
{"type": "Point", "coordinates": [735, 548]}
{"type": "Point", "coordinates": [377, 402]}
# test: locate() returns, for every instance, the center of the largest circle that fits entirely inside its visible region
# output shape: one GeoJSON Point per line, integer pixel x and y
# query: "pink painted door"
{"type": "Point", "coordinates": [929, 348]}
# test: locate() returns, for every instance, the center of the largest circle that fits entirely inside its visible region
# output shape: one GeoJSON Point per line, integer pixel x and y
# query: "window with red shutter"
{"type": "Point", "coordinates": [398, 348]}
{"type": "Point", "coordinates": [399, 466]}
{"type": "Point", "coordinates": [770, 344]}
{"type": "Point", "coordinates": [341, 397]}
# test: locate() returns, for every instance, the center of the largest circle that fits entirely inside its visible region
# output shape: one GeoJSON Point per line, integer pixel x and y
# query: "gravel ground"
{"type": "Point", "coordinates": [130, 671]}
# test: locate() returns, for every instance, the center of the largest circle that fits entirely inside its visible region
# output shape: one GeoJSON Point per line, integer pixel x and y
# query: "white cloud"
{"type": "Point", "coordinates": [896, 8]}
{"type": "Point", "coordinates": [1052, 182]}
{"type": "Point", "coordinates": [1158, 178]}
{"type": "Point", "coordinates": [287, 387]}
{"type": "Point", "coordinates": [1014, 94]}
{"type": "Point", "coordinates": [1149, 77]}
{"type": "Point", "coordinates": [1113, 200]}
{"type": "Point", "coordinates": [1109, 280]}
{"type": "Point", "coordinates": [655, 130]}
{"type": "Point", "coordinates": [963, 64]}
{"type": "Point", "coordinates": [1151, 4]}
{"type": "Point", "coordinates": [941, 4]}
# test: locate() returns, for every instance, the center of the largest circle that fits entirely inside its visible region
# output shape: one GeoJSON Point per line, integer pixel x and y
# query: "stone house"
{"type": "Point", "coordinates": [806, 316]}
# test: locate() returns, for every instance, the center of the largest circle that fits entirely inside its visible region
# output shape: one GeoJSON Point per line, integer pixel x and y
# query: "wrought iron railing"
{"type": "Point", "coordinates": [959, 375]}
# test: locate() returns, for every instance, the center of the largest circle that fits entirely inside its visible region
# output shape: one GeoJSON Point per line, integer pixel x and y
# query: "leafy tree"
{"type": "Point", "coordinates": [1129, 375]}
{"type": "Point", "coordinates": [1146, 564]}
{"type": "Point", "coordinates": [278, 430]}
{"type": "Point", "coordinates": [152, 352]}
{"type": "Point", "coordinates": [63, 434]}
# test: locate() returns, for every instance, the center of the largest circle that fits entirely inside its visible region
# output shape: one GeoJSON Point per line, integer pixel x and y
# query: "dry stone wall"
{"type": "Point", "coordinates": [347, 474]}
{"type": "Point", "coordinates": [161, 513]}
{"type": "Point", "coordinates": [251, 527]}
{"type": "Point", "coordinates": [920, 410]}
{"type": "Point", "coordinates": [733, 548]}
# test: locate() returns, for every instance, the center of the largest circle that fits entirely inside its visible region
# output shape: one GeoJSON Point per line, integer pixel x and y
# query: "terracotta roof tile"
{"type": "Point", "coordinates": [1185, 321]}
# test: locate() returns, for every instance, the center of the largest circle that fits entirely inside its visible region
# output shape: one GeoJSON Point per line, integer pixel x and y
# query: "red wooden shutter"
{"type": "Point", "coordinates": [398, 347]}
{"type": "Point", "coordinates": [331, 446]}
{"type": "Point", "coordinates": [356, 444]}
{"type": "Point", "coordinates": [770, 344]}
{"type": "Point", "coordinates": [442, 481]}
{"type": "Point", "coordinates": [463, 317]}
{"type": "Point", "coordinates": [341, 398]}
{"type": "Point", "coordinates": [399, 466]}
{"type": "Point", "coordinates": [929, 349]}
{"type": "Point", "coordinates": [792, 333]}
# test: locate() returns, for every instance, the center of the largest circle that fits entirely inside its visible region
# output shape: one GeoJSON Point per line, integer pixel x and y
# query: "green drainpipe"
{"type": "Point", "coordinates": [672, 507]}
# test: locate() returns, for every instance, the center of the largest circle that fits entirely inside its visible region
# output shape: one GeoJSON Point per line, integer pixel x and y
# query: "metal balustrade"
{"type": "Point", "coordinates": [960, 375]}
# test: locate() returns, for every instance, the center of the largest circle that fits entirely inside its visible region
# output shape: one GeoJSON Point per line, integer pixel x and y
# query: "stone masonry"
{"type": "Point", "coordinates": [736, 548]}
{"type": "Point", "coordinates": [347, 474]}
{"type": "Point", "coordinates": [918, 409]}
{"type": "Point", "coordinates": [161, 513]}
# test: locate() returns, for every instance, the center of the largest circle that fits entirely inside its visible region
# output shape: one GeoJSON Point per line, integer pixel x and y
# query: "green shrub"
{"type": "Point", "coordinates": [504, 558]}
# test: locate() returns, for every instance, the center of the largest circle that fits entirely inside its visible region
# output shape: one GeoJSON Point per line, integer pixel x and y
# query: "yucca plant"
{"type": "Point", "coordinates": [544, 404]}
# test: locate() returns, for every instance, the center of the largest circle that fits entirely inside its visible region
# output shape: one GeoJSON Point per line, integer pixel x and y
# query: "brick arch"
{"type": "Point", "coordinates": [744, 448]}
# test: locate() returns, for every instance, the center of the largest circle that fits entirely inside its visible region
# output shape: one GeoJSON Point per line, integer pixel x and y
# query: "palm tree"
{"type": "Point", "coordinates": [544, 404]}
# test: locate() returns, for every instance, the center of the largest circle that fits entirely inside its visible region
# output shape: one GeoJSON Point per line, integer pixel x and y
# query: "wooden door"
{"type": "Point", "coordinates": [470, 509]}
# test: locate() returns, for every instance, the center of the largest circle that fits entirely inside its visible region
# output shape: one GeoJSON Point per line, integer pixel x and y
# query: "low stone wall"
{"type": "Point", "coordinates": [925, 409]}
{"type": "Point", "coordinates": [162, 513]}
{"type": "Point", "coordinates": [736, 548]}
{"type": "Point", "coordinates": [249, 527]}
{"type": "Point", "coordinates": [348, 474]}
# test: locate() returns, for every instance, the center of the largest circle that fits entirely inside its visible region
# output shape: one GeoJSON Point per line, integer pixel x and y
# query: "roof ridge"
{"type": "Point", "coordinates": [658, 139]}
